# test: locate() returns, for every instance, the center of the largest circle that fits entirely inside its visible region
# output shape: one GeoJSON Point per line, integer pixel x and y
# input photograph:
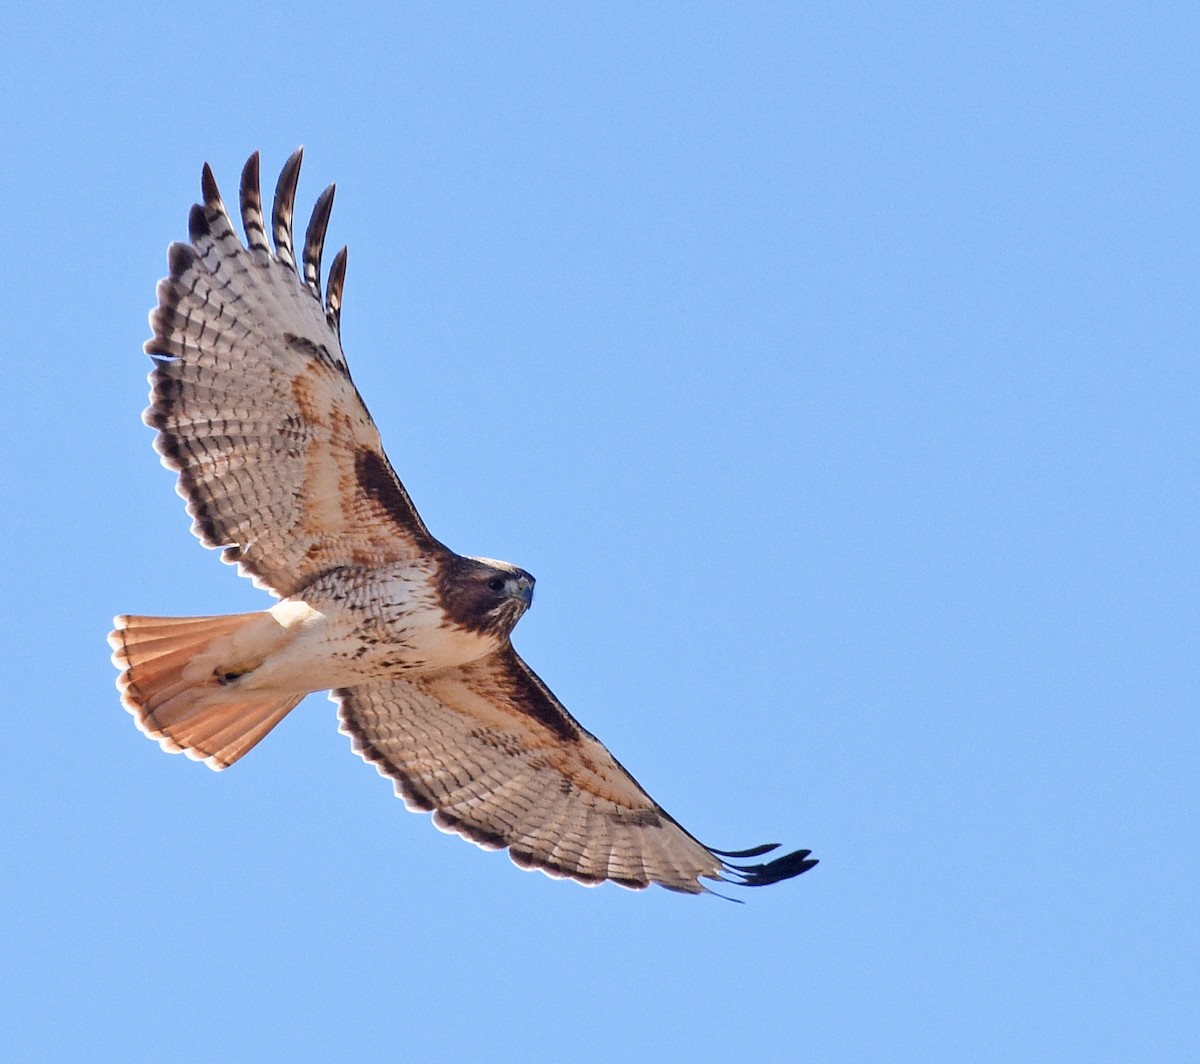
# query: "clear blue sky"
{"type": "Point", "coordinates": [836, 375]}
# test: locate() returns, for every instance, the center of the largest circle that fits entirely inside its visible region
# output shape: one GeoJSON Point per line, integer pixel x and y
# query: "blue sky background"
{"type": "Point", "coordinates": [836, 375]}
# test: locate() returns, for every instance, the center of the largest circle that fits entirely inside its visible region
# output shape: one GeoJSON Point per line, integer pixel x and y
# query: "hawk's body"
{"type": "Point", "coordinates": [282, 466]}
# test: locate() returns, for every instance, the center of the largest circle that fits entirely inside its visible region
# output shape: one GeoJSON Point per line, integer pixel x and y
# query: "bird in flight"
{"type": "Point", "coordinates": [283, 469]}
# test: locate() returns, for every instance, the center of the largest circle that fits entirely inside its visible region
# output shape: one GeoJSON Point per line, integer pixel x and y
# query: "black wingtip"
{"type": "Point", "coordinates": [180, 258]}
{"type": "Point", "coordinates": [763, 875]}
{"type": "Point", "coordinates": [208, 186]}
{"type": "Point", "coordinates": [754, 851]}
{"type": "Point", "coordinates": [250, 170]}
{"type": "Point", "coordinates": [314, 239]}
{"type": "Point", "coordinates": [250, 200]}
{"type": "Point", "coordinates": [281, 212]}
{"type": "Point", "coordinates": [198, 227]}
{"type": "Point", "coordinates": [333, 289]}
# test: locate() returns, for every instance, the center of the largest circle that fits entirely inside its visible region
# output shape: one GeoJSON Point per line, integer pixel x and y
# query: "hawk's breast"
{"type": "Point", "coordinates": [357, 625]}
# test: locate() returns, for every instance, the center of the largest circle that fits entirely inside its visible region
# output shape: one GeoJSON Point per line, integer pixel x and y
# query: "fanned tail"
{"type": "Point", "coordinates": [180, 677]}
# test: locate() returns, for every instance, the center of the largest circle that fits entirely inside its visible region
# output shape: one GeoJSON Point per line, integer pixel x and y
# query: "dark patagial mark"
{"type": "Point", "coordinates": [378, 482]}
{"type": "Point", "coordinates": [534, 699]}
{"type": "Point", "coordinates": [550, 717]}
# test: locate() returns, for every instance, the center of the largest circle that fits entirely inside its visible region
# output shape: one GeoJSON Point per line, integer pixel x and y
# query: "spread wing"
{"type": "Point", "coordinates": [497, 758]}
{"type": "Point", "coordinates": [278, 459]}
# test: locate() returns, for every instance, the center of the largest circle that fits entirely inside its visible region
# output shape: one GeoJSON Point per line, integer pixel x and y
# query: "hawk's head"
{"type": "Point", "coordinates": [483, 595]}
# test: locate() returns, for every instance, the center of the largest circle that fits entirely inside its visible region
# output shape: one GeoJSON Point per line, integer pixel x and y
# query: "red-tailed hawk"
{"type": "Point", "coordinates": [283, 468]}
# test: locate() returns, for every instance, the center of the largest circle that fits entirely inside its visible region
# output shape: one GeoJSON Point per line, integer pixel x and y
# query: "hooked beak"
{"type": "Point", "coordinates": [524, 591]}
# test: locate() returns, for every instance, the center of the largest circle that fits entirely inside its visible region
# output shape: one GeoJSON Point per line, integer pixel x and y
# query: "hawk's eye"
{"type": "Point", "coordinates": [496, 584]}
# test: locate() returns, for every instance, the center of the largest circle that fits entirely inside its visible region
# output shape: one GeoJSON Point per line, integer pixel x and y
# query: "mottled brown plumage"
{"type": "Point", "coordinates": [283, 469]}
